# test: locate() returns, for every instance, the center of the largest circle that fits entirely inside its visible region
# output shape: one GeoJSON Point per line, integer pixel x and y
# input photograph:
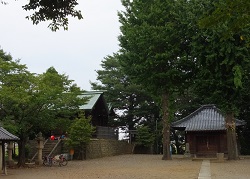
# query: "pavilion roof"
{"type": "Point", "coordinates": [206, 118]}
{"type": "Point", "coordinates": [92, 98]}
{"type": "Point", "coordinates": [5, 135]}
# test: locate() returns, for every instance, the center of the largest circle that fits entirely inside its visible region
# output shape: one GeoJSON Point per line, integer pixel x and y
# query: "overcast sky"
{"type": "Point", "coordinates": [77, 52]}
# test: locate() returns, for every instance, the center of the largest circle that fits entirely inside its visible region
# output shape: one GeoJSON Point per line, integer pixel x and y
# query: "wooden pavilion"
{"type": "Point", "coordinates": [5, 137]}
{"type": "Point", "coordinates": [96, 107]}
{"type": "Point", "coordinates": [99, 110]}
{"type": "Point", "coordinates": [205, 131]}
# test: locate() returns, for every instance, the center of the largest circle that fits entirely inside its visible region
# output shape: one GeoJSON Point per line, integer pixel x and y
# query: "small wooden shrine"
{"type": "Point", "coordinates": [205, 131]}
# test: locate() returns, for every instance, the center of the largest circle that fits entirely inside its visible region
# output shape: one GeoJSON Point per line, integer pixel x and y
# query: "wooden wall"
{"type": "Point", "coordinates": [207, 143]}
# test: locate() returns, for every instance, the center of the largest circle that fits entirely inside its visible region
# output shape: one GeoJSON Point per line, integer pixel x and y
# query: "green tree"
{"type": "Point", "coordinates": [80, 133]}
{"type": "Point", "coordinates": [144, 137]}
{"type": "Point", "coordinates": [56, 11]}
{"type": "Point", "coordinates": [244, 112]}
{"type": "Point", "coordinates": [126, 97]}
{"type": "Point", "coordinates": [236, 15]}
{"type": "Point", "coordinates": [31, 103]}
{"type": "Point", "coordinates": [222, 65]}
{"type": "Point", "coordinates": [154, 51]}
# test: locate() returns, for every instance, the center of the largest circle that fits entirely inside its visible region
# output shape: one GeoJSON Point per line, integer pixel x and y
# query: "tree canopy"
{"type": "Point", "coordinates": [233, 13]}
{"type": "Point", "coordinates": [164, 49]}
{"type": "Point", "coordinates": [154, 51]}
{"type": "Point", "coordinates": [31, 103]}
{"type": "Point", "coordinates": [126, 97]}
{"type": "Point", "coordinates": [223, 63]}
{"type": "Point", "coordinates": [55, 11]}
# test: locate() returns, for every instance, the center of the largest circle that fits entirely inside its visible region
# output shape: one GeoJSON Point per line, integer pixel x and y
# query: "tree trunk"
{"type": "Point", "coordinates": [166, 127]}
{"type": "Point", "coordinates": [231, 137]}
{"type": "Point", "coordinates": [21, 150]}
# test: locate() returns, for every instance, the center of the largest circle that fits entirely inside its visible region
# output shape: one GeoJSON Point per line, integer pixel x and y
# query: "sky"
{"type": "Point", "coordinates": [77, 52]}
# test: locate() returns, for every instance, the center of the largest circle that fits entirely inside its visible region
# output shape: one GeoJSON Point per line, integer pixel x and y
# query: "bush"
{"type": "Point", "coordinates": [144, 137]}
{"type": "Point", "coordinates": [80, 133]}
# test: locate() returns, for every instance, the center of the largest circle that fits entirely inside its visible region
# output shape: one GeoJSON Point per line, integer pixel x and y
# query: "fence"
{"type": "Point", "coordinates": [106, 133]}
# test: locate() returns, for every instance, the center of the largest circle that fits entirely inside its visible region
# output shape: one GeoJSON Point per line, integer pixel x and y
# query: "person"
{"type": "Point", "coordinates": [170, 151]}
{"type": "Point", "coordinates": [62, 136]}
{"type": "Point", "coordinates": [52, 137]}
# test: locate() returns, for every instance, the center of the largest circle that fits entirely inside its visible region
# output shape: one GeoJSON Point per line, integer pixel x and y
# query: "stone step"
{"type": "Point", "coordinates": [48, 147]}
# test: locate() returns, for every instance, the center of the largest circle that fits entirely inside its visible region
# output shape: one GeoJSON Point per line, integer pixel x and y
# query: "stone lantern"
{"type": "Point", "coordinates": [40, 146]}
{"type": "Point", "coordinates": [10, 148]}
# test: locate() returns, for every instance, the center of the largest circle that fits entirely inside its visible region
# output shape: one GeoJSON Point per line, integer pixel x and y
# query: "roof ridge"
{"type": "Point", "coordinates": [193, 113]}
{"type": "Point", "coordinates": [5, 131]}
{"type": "Point", "coordinates": [94, 92]}
{"type": "Point", "coordinates": [196, 112]}
{"type": "Point", "coordinates": [207, 117]}
{"type": "Point", "coordinates": [8, 134]}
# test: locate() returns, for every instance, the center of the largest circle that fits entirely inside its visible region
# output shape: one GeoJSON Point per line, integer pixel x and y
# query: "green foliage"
{"type": "Point", "coordinates": [31, 103]}
{"type": "Point", "coordinates": [222, 55]}
{"type": "Point", "coordinates": [154, 52]}
{"type": "Point", "coordinates": [80, 132]}
{"type": "Point", "coordinates": [56, 11]}
{"type": "Point", "coordinates": [222, 63]}
{"type": "Point", "coordinates": [144, 137]}
{"type": "Point", "coordinates": [10, 126]}
{"type": "Point", "coordinates": [234, 13]}
{"type": "Point", "coordinates": [125, 95]}
{"type": "Point", "coordinates": [237, 76]}
{"type": "Point", "coordinates": [244, 113]}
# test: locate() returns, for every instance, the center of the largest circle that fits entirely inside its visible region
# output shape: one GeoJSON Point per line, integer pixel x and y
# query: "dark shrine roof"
{"type": "Point", "coordinates": [93, 97]}
{"type": "Point", "coordinates": [206, 118]}
{"type": "Point", "coordinates": [5, 135]}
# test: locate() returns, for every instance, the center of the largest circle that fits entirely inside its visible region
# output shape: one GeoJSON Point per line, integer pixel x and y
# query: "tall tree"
{"type": "Point", "coordinates": [30, 103]}
{"type": "Point", "coordinates": [244, 112]}
{"type": "Point", "coordinates": [131, 103]}
{"type": "Point", "coordinates": [223, 65]}
{"type": "Point", "coordinates": [56, 11]}
{"type": "Point", "coordinates": [236, 13]}
{"type": "Point", "coordinates": [154, 51]}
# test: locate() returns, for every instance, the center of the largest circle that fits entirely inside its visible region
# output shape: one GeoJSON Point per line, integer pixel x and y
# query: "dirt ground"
{"type": "Point", "coordinates": [238, 169]}
{"type": "Point", "coordinates": [134, 167]}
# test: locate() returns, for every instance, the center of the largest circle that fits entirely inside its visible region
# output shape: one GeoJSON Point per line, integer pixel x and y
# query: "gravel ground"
{"type": "Point", "coordinates": [134, 167]}
{"type": "Point", "coordinates": [236, 169]}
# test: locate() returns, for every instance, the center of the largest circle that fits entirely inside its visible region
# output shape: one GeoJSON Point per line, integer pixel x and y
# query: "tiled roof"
{"type": "Point", "coordinates": [206, 118]}
{"type": "Point", "coordinates": [5, 135]}
{"type": "Point", "coordinates": [93, 97]}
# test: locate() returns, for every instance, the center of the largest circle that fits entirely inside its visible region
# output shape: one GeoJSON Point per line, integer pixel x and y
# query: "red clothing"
{"type": "Point", "coordinates": [52, 137]}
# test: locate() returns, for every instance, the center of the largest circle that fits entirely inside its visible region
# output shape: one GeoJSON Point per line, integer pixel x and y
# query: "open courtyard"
{"type": "Point", "coordinates": [134, 167]}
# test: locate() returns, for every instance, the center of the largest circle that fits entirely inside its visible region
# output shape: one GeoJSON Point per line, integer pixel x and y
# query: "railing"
{"type": "Point", "coordinates": [37, 152]}
{"type": "Point", "coordinates": [59, 140]}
